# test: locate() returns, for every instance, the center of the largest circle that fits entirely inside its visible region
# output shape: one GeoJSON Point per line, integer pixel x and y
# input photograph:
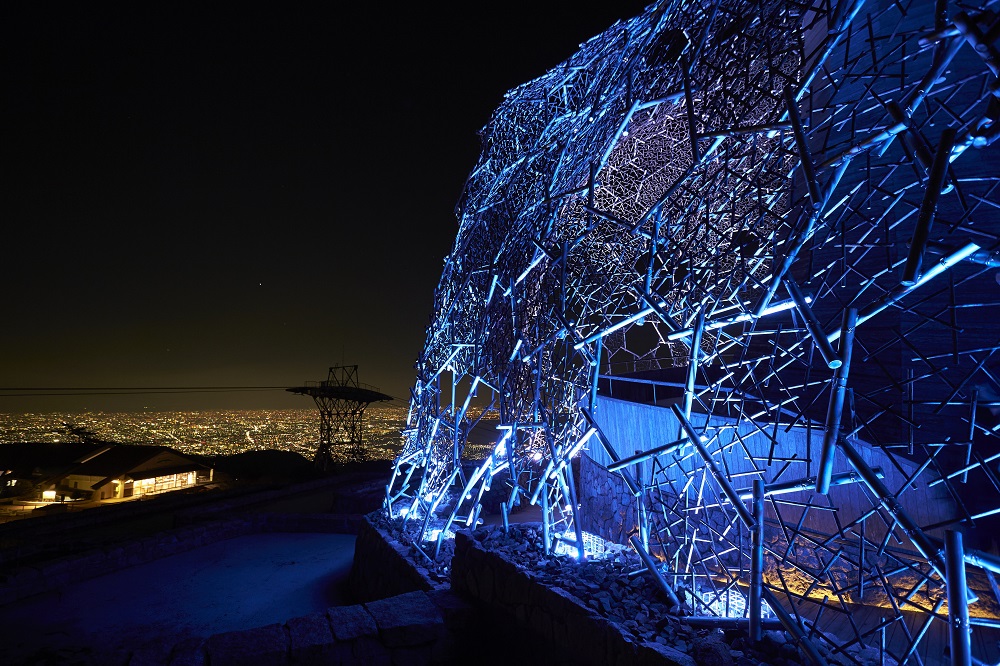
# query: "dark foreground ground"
{"type": "Point", "coordinates": [239, 583]}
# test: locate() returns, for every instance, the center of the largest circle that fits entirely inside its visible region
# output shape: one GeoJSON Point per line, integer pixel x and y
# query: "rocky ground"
{"type": "Point", "coordinates": [619, 588]}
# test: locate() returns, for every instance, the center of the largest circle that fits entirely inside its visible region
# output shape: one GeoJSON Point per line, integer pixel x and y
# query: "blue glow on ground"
{"type": "Point", "coordinates": [239, 583]}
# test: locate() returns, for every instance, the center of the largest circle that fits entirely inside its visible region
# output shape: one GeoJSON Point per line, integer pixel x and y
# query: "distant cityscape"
{"type": "Point", "coordinates": [209, 433]}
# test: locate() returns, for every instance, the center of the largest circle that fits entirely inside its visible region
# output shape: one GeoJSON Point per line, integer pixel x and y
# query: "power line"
{"type": "Point", "coordinates": [12, 392]}
{"type": "Point", "coordinates": [59, 391]}
{"type": "Point", "coordinates": [137, 388]}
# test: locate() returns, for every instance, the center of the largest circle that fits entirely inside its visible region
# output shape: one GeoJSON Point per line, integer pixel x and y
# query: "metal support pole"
{"type": "Point", "coordinates": [643, 520]}
{"type": "Point", "coordinates": [861, 561]}
{"type": "Point", "coordinates": [757, 560]}
{"type": "Point", "coordinates": [674, 602]}
{"type": "Point", "coordinates": [805, 157]}
{"type": "Point", "coordinates": [796, 246]}
{"type": "Point", "coordinates": [602, 438]}
{"type": "Point", "coordinates": [836, 409]}
{"type": "Point", "coordinates": [980, 43]}
{"type": "Point", "coordinates": [727, 488]}
{"type": "Point", "coordinates": [575, 510]}
{"type": "Point", "coordinates": [546, 536]}
{"type": "Point", "coordinates": [785, 487]}
{"type": "Point", "coordinates": [897, 294]}
{"type": "Point", "coordinates": [958, 608]}
{"type": "Point", "coordinates": [689, 103]}
{"type": "Point", "coordinates": [928, 208]}
{"type": "Point", "coordinates": [596, 375]}
{"type": "Point", "coordinates": [892, 505]}
{"type": "Point", "coordinates": [692, 370]}
{"type": "Point", "coordinates": [792, 627]}
{"type": "Point", "coordinates": [716, 622]}
{"type": "Point", "coordinates": [646, 455]}
{"type": "Point", "coordinates": [812, 325]}
{"type": "Point", "coordinates": [987, 561]}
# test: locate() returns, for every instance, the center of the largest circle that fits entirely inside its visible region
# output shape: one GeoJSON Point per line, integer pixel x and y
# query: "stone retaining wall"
{"type": "Point", "coordinates": [343, 498]}
{"type": "Point", "coordinates": [413, 629]}
{"type": "Point", "coordinates": [608, 508]}
{"type": "Point", "coordinates": [382, 567]}
{"type": "Point", "coordinates": [550, 613]}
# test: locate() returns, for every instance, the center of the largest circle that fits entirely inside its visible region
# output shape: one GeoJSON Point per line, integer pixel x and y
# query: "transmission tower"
{"type": "Point", "coordinates": [342, 401]}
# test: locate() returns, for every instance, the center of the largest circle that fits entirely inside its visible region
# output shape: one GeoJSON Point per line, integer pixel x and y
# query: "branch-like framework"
{"type": "Point", "coordinates": [782, 219]}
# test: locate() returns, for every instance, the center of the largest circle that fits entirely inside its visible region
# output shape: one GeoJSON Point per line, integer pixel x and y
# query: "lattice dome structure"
{"type": "Point", "coordinates": [741, 256]}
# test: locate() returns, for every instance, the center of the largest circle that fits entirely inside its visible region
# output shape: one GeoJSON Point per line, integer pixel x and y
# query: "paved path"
{"type": "Point", "coordinates": [240, 583]}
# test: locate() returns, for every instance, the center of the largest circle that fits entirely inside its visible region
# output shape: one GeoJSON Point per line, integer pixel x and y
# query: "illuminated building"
{"type": "Point", "coordinates": [93, 472]}
{"type": "Point", "coordinates": [737, 244]}
{"type": "Point", "coordinates": [121, 472]}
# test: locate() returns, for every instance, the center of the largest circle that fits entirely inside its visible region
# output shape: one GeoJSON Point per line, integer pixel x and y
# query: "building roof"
{"type": "Point", "coordinates": [109, 462]}
{"type": "Point", "coordinates": [136, 461]}
{"type": "Point", "coordinates": [25, 459]}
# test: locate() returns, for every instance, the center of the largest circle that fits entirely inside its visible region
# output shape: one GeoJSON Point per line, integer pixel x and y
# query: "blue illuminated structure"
{"type": "Point", "coordinates": [729, 242]}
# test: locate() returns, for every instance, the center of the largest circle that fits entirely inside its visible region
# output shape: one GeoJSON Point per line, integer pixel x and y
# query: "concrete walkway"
{"type": "Point", "coordinates": [240, 583]}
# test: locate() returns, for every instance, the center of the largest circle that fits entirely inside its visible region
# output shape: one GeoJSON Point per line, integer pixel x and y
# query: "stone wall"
{"type": "Point", "coordinates": [382, 567]}
{"type": "Point", "coordinates": [415, 628]}
{"type": "Point", "coordinates": [608, 508]}
{"type": "Point", "coordinates": [549, 613]}
{"type": "Point", "coordinates": [348, 495]}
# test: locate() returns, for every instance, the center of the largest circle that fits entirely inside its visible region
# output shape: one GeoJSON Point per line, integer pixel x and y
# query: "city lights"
{"type": "Point", "coordinates": [209, 433]}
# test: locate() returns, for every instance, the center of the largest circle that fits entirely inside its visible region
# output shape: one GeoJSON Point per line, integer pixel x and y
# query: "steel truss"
{"type": "Point", "coordinates": [342, 401]}
{"type": "Point", "coordinates": [785, 216]}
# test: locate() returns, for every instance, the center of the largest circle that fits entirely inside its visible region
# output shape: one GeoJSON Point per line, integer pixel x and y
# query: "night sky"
{"type": "Point", "coordinates": [242, 197]}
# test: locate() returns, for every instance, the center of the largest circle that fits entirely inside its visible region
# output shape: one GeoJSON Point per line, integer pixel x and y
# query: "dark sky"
{"type": "Point", "coordinates": [245, 196]}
